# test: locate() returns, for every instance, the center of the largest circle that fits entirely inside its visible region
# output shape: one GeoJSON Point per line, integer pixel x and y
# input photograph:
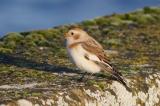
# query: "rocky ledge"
{"type": "Point", "coordinates": [35, 69]}
{"type": "Point", "coordinates": [144, 91]}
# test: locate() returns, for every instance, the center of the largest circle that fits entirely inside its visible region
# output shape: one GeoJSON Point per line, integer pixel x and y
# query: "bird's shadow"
{"type": "Point", "coordinates": [30, 64]}
{"type": "Point", "coordinates": [26, 63]}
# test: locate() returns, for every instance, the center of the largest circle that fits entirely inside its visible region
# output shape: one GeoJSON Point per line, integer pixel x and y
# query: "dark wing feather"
{"type": "Point", "coordinates": [113, 72]}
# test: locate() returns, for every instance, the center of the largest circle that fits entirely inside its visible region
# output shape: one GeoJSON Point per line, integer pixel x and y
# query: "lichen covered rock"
{"type": "Point", "coordinates": [144, 91]}
{"type": "Point", "coordinates": [35, 69]}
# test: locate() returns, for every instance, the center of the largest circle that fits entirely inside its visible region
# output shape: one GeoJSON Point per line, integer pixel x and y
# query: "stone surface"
{"type": "Point", "coordinates": [145, 91]}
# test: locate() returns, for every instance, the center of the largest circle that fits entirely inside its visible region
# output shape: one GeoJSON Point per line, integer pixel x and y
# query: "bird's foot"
{"type": "Point", "coordinates": [86, 76]}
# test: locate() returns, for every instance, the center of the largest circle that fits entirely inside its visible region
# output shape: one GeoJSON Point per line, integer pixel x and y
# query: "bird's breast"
{"type": "Point", "coordinates": [77, 55]}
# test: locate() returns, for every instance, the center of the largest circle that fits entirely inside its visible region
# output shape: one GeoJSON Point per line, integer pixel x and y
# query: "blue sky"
{"type": "Point", "coordinates": [26, 15]}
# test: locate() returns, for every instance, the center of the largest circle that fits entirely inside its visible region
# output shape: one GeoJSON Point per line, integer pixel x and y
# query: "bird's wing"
{"type": "Point", "coordinates": [93, 47]}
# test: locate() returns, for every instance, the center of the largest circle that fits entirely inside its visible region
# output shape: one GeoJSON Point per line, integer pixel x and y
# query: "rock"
{"type": "Point", "coordinates": [145, 91]}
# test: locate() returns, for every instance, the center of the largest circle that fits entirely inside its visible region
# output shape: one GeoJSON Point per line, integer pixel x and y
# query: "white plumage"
{"type": "Point", "coordinates": [77, 56]}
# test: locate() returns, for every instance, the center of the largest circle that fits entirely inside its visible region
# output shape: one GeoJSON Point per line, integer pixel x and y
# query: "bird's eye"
{"type": "Point", "coordinates": [72, 33]}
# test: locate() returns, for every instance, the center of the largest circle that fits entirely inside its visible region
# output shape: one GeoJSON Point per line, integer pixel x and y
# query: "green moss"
{"type": "Point", "coordinates": [91, 82]}
{"type": "Point", "coordinates": [6, 50]}
{"type": "Point", "coordinates": [102, 85]}
{"type": "Point", "coordinates": [89, 23]}
{"type": "Point", "coordinates": [102, 21]}
{"type": "Point", "coordinates": [36, 94]}
{"type": "Point", "coordinates": [17, 37]}
{"type": "Point", "coordinates": [151, 10]}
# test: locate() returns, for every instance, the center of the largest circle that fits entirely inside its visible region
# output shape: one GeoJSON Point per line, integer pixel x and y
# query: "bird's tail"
{"type": "Point", "coordinates": [122, 81]}
{"type": "Point", "coordinates": [119, 77]}
{"type": "Point", "coordinates": [116, 74]}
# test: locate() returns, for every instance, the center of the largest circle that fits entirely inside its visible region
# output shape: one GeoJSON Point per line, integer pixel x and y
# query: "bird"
{"type": "Point", "coordinates": [88, 55]}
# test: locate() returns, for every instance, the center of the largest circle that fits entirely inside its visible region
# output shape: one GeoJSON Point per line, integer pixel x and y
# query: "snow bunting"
{"type": "Point", "coordinates": [88, 54]}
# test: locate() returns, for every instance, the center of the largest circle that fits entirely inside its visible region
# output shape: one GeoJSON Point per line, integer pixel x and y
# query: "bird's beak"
{"type": "Point", "coordinates": [66, 35]}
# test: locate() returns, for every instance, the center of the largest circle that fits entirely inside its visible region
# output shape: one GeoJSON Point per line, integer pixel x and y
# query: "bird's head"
{"type": "Point", "coordinates": [75, 35]}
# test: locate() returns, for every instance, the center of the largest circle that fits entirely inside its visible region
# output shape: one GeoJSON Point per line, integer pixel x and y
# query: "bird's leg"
{"type": "Point", "coordinates": [90, 75]}
{"type": "Point", "coordinates": [82, 77]}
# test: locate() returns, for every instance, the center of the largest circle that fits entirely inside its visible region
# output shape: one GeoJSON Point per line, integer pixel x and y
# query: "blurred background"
{"type": "Point", "coordinates": [26, 15]}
